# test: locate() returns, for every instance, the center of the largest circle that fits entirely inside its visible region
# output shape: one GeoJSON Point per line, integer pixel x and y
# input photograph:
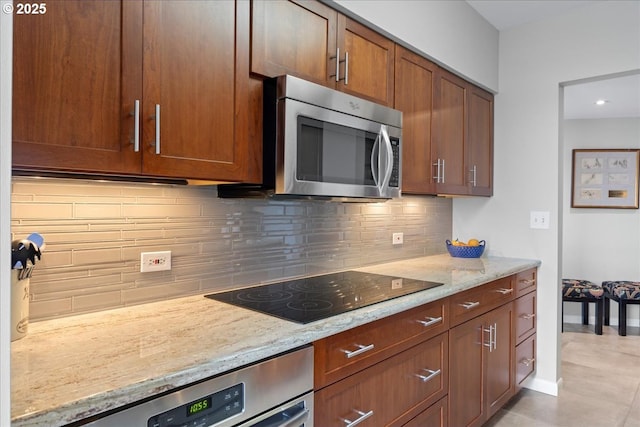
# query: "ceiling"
{"type": "Point", "coordinates": [622, 92]}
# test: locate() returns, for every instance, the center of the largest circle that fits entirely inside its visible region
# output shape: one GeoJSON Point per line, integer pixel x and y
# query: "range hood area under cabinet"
{"type": "Point", "coordinates": [98, 89]}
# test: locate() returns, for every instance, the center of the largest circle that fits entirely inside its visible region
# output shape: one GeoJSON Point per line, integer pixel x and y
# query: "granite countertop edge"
{"type": "Point", "coordinates": [73, 368]}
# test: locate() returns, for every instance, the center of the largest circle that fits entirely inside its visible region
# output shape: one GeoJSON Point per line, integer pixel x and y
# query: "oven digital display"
{"type": "Point", "coordinates": [198, 406]}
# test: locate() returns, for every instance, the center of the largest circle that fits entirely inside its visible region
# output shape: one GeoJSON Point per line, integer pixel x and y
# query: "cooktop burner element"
{"type": "Point", "coordinates": [314, 298]}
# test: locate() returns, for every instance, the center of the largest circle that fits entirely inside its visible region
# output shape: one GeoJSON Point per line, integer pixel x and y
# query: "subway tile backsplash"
{"type": "Point", "coordinates": [95, 231]}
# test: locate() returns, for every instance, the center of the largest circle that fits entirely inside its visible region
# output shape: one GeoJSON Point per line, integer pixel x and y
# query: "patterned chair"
{"type": "Point", "coordinates": [584, 292]}
{"type": "Point", "coordinates": [623, 292]}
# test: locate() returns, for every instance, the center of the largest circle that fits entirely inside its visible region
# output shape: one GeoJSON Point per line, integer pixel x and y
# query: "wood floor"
{"type": "Point", "coordinates": [601, 384]}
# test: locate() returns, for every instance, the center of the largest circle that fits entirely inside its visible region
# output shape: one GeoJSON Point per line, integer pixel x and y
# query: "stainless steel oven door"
{"type": "Point", "coordinates": [296, 413]}
{"type": "Point", "coordinates": [323, 152]}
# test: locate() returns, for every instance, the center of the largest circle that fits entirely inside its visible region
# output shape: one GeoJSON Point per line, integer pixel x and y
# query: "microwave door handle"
{"type": "Point", "coordinates": [375, 158]}
{"type": "Point", "coordinates": [384, 184]}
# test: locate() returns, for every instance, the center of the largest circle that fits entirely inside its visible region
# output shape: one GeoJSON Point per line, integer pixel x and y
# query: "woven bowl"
{"type": "Point", "coordinates": [465, 251]}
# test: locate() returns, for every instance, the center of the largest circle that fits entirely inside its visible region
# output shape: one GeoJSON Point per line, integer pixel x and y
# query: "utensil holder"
{"type": "Point", "coordinates": [19, 305]}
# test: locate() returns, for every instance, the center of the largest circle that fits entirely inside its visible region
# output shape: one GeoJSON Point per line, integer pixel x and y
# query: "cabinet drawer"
{"type": "Point", "coordinates": [392, 391]}
{"type": "Point", "coordinates": [526, 281]}
{"type": "Point", "coordinates": [525, 317]}
{"type": "Point", "coordinates": [525, 360]}
{"type": "Point", "coordinates": [351, 351]}
{"type": "Point", "coordinates": [474, 302]}
{"type": "Point", "coordinates": [435, 416]}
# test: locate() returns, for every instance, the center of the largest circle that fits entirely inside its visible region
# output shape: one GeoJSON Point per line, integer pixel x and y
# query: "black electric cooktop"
{"type": "Point", "coordinates": [314, 298]}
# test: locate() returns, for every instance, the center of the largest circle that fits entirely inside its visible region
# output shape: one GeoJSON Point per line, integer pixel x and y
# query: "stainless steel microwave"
{"type": "Point", "coordinates": [321, 143]}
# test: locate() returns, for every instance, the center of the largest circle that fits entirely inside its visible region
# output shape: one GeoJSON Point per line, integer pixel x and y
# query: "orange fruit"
{"type": "Point", "coordinates": [473, 242]}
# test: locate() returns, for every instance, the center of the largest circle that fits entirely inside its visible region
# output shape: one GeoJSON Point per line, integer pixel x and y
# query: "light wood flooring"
{"type": "Point", "coordinates": [601, 384]}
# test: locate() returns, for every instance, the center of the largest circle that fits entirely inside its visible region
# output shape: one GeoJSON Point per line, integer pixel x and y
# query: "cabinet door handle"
{"type": "Point", "coordinates": [430, 321]}
{"type": "Point", "coordinates": [469, 305]}
{"type": "Point", "coordinates": [437, 165]}
{"type": "Point", "coordinates": [426, 378]}
{"type": "Point", "coordinates": [136, 126]}
{"type": "Point", "coordinates": [361, 349]}
{"type": "Point", "coordinates": [527, 362]}
{"type": "Point", "coordinates": [528, 281]}
{"type": "Point", "coordinates": [346, 68]}
{"type": "Point", "coordinates": [493, 332]}
{"type": "Point", "coordinates": [528, 316]}
{"type": "Point", "coordinates": [504, 291]}
{"type": "Point", "coordinates": [363, 416]}
{"type": "Point", "coordinates": [157, 117]}
{"type": "Point", "coordinates": [473, 174]}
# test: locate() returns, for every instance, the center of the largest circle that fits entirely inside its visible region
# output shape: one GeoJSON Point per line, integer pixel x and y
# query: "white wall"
{"type": "Point", "coordinates": [450, 32]}
{"type": "Point", "coordinates": [599, 244]}
{"type": "Point", "coordinates": [599, 39]}
{"type": "Point", "coordinates": [5, 215]}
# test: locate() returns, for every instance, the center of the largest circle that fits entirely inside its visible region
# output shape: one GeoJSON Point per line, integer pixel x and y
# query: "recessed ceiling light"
{"type": "Point", "coordinates": [601, 102]}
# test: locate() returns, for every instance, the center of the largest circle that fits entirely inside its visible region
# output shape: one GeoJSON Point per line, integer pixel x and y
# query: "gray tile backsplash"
{"type": "Point", "coordinates": [95, 231]}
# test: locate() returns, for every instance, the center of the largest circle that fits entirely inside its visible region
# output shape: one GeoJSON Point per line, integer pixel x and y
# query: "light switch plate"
{"type": "Point", "coordinates": [540, 219]}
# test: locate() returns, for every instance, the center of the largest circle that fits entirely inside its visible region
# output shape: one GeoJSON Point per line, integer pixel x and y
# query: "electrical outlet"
{"type": "Point", "coordinates": [155, 261]}
{"type": "Point", "coordinates": [397, 238]}
{"type": "Point", "coordinates": [539, 219]}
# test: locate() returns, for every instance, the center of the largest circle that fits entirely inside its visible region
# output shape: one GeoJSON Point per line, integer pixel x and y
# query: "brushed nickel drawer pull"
{"type": "Point", "coordinates": [432, 374]}
{"type": "Point", "coordinates": [361, 349]}
{"type": "Point", "coordinates": [528, 316]}
{"type": "Point", "coordinates": [504, 291]}
{"type": "Point", "coordinates": [469, 305]}
{"type": "Point", "coordinates": [527, 362]}
{"type": "Point", "coordinates": [363, 416]}
{"type": "Point", "coordinates": [528, 281]}
{"type": "Point", "coordinates": [430, 321]}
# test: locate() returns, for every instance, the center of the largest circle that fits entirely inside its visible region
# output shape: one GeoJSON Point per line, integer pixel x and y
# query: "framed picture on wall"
{"type": "Point", "coordinates": [605, 178]}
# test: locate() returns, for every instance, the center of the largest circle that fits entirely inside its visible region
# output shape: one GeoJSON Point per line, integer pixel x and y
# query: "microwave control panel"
{"type": "Point", "coordinates": [395, 172]}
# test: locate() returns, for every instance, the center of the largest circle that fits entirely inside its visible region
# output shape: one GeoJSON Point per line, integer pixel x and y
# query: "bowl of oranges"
{"type": "Point", "coordinates": [471, 249]}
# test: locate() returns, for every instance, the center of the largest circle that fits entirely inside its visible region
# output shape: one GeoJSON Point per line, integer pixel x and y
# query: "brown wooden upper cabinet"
{"type": "Point", "coordinates": [155, 88]}
{"type": "Point", "coordinates": [462, 148]}
{"type": "Point", "coordinates": [310, 40]}
{"type": "Point", "coordinates": [414, 77]}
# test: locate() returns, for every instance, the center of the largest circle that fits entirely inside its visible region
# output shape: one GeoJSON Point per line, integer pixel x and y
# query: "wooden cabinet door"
{"type": "Point", "coordinates": [414, 97]}
{"type": "Point", "coordinates": [368, 71]}
{"type": "Point", "coordinates": [499, 385]}
{"type": "Point", "coordinates": [466, 373]}
{"type": "Point", "coordinates": [196, 71]}
{"type": "Point", "coordinates": [76, 76]}
{"type": "Point", "coordinates": [450, 132]}
{"type": "Point", "coordinates": [480, 136]}
{"type": "Point", "coordinates": [294, 37]}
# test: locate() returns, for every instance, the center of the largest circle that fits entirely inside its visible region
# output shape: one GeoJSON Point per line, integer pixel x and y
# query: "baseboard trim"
{"type": "Point", "coordinates": [542, 386]}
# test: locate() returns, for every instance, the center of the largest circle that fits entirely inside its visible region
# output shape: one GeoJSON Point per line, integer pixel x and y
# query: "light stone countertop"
{"type": "Point", "coordinates": [68, 369]}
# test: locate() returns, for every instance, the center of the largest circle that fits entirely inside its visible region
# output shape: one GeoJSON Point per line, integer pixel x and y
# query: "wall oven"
{"type": "Point", "coordinates": [277, 392]}
{"type": "Point", "coordinates": [322, 143]}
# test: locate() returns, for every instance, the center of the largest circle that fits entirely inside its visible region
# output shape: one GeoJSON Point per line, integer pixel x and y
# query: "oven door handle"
{"type": "Point", "coordinates": [285, 415]}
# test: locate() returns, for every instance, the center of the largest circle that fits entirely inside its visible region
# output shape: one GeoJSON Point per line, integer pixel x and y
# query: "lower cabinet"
{"type": "Point", "coordinates": [453, 362]}
{"type": "Point", "coordinates": [391, 392]}
{"type": "Point", "coordinates": [481, 360]}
